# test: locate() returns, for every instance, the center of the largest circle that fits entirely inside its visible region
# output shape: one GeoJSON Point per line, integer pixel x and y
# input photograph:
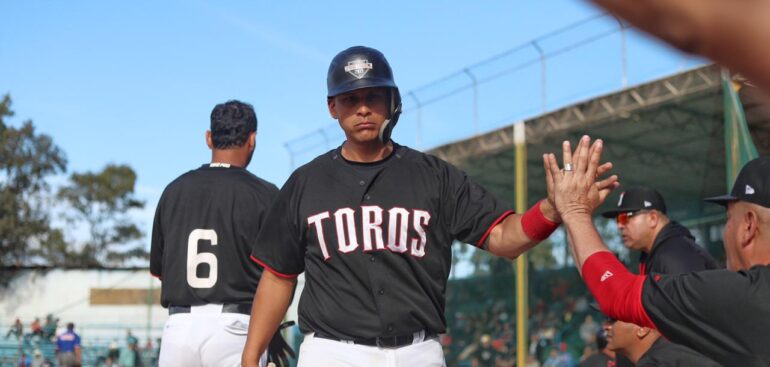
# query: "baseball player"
{"type": "Point", "coordinates": [723, 314]}
{"type": "Point", "coordinates": [371, 224]}
{"type": "Point", "coordinates": [205, 225]}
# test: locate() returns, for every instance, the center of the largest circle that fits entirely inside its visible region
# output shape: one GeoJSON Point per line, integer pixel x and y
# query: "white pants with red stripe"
{"type": "Point", "coordinates": [320, 352]}
{"type": "Point", "coordinates": [205, 337]}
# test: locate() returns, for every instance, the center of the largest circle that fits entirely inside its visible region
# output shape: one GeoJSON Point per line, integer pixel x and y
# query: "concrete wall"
{"type": "Point", "coordinates": [67, 295]}
{"type": "Point", "coordinates": [77, 296]}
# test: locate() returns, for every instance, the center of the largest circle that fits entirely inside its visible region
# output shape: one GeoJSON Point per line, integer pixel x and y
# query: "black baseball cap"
{"type": "Point", "coordinates": [752, 184]}
{"type": "Point", "coordinates": [637, 198]}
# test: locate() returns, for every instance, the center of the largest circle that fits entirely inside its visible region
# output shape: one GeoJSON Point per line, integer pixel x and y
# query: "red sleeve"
{"type": "Point", "coordinates": [618, 291]}
{"type": "Point", "coordinates": [275, 272]}
{"type": "Point", "coordinates": [497, 221]}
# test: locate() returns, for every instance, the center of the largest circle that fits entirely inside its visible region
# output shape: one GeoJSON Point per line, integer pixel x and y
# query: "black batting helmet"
{"type": "Point", "coordinates": [364, 67]}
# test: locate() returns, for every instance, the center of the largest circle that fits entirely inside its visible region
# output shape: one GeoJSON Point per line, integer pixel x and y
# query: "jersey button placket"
{"type": "Point", "coordinates": [381, 291]}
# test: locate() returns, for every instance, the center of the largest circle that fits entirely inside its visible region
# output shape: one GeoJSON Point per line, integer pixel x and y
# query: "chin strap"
{"type": "Point", "coordinates": [395, 112]}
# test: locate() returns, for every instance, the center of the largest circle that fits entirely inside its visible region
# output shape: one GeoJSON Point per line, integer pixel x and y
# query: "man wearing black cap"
{"type": "Point", "coordinates": [666, 246]}
{"type": "Point", "coordinates": [724, 314]}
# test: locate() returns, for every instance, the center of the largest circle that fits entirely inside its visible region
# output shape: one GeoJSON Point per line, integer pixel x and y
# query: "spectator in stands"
{"type": "Point", "coordinates": [130, 356]}
{"type": "Point", "coordinates": [68, 350]}
{"type": "Point", "coordinates": [130, 338]}
{"type": "Point", "coordinates": [485, 355]}
{"type": "Point", "coordinates": [555, 359]}
{"type": "Point", "coordinates": [38, 360]}
{"type": "Point", "coordinates": [565, 355]}
{"type": "Point", "coordinates": [49, 329]}
{"type": "Point", "coordinates": [588, 330]}
{"type": "Point", "coordinates": [114, 350]}
{"type": "Point", "coordinates": [17, 329]}
{"type": "Point", "coordinates": [532, 361]}
{"type": "Point", "coordinates": [36, 328]}
{"type": "Point", "coordinates": [24, 360]}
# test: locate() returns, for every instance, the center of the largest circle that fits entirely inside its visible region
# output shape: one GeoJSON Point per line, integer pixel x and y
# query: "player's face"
{"type": "Point", "coordinates": [620, 335]}
{"type": "Point", "coordinates": [634, 229]}
{"type": "Point", "coordinates": [361, 113]}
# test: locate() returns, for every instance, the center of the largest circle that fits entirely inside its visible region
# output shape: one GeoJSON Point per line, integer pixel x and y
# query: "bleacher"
{"type": "Point", "coordinates": [94, 352]}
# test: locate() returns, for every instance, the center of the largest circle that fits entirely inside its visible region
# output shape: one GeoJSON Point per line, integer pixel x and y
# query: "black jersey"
{"type": "Point", "coordinates": [723, 314]}
{"type": "Point", "coordinates": [675, 251]}
{"type": "Point", "coordinates": [598, 359]}
{"type": "Point", "coordinates": [374, 240]}
{"type": "Point", "coordinates": [665, 354]}
{"type": "Point", "coordinates": [205, 225]}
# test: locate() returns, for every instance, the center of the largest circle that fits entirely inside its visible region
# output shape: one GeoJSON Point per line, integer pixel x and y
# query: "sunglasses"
{"type": "Point", "coordinates": [625, 217]}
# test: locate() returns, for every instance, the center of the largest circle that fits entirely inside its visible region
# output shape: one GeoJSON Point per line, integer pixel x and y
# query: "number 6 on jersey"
{"type": "Point", "coordinates": [194, 259]}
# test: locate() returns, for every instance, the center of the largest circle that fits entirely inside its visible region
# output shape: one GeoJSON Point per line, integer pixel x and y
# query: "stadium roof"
{"type": "Point", "coordinates": [667, 134]}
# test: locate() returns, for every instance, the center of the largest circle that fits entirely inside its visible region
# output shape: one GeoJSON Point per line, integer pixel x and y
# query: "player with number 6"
{"type": "Point", "coordinates": [205, 226]}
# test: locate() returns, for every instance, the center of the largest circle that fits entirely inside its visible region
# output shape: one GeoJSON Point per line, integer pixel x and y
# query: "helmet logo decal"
{"type": "Point", "coordinates": [620, 202]}
{"type": "Point", "coordinates": [358, 68]}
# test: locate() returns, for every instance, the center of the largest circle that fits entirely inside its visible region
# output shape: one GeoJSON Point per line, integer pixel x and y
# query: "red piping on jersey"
{"type": "Point", "coordinates": [618, 291]}
{"type": "Point", "coordinates": [157, 276]}
{"type": "Point", "coordinates": [275, 272]}
{"type": "Point", "coordinates": [491, 227]}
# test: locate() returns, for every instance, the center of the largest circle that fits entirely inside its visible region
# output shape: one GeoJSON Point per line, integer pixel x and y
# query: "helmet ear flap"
{"type": "Point", "coordinates": [395, 112]}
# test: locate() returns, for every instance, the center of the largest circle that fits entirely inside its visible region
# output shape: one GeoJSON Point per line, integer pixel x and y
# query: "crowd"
{"type": "Point", "coordinates": [482, 326]}
{"type": "Point", "coordinates": [45, 345]}
{"type": "Point", "coordinates": [37, 330]}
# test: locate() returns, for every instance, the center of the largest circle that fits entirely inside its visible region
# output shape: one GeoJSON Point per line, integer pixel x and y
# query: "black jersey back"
{"type": "Point", "coordinates": [721, 313]}
{"type": "Point", "coordinates": [374, 240]}
{"type": "Point", "coordinates": [205, 226]}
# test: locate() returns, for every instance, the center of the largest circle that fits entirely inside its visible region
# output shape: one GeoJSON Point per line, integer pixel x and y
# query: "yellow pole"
{"type": "Point", "coordinates": [522, 339]}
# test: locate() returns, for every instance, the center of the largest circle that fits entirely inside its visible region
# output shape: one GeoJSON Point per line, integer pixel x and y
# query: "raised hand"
{"type": "Point", "coordinates": [575, 190]}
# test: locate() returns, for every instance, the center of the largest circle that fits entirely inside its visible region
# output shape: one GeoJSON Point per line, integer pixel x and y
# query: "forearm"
{"type": "Point", "coordinates": [519, 233]}
{"type": "Point", "coordinates": [617, 290]}
{"type": "Point", "coordinates": [270, 304]}
{"type": "Point", "coordinates": [731, 33]}
{"type": "Point", "coordinates": [584, 240]}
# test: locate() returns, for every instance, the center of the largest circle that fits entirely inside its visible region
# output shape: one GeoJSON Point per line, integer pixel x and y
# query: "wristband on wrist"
{"type": "Point", "coordinates": [535, 225]}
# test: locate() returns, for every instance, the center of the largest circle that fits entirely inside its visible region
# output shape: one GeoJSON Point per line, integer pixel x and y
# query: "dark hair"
{"type": "Point", "coordinates": [231, 124]}
{"type": "Point", "coordinates": [70, 326]}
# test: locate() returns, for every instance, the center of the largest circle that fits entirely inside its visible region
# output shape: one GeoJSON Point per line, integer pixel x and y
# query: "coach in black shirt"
{"type": "Point", "coordinates": [666, 246]}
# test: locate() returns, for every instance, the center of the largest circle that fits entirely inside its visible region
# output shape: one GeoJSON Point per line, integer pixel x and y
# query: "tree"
{"type": "Point", "coordinates": [27, 159]}
{"type": "Point", "coordinates": [101, 202]}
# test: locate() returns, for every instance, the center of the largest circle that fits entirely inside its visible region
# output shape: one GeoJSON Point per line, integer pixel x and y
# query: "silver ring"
{"type": "Point", "coordinates": [567, 167]}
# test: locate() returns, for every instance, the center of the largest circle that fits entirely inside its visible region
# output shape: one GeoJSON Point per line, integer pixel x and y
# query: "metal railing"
{"type": "Point", "coordinates": [536, 64]}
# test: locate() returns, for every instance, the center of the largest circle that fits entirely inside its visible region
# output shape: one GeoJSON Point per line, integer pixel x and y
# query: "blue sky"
{"type": "Point", "coordinates": [134, 82]}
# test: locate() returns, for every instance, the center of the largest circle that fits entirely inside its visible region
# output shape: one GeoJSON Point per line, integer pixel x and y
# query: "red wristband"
{"type": "Point", "coordinates": [535, 225]}
{"type": "Point", "coordinates": [617, 290]}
